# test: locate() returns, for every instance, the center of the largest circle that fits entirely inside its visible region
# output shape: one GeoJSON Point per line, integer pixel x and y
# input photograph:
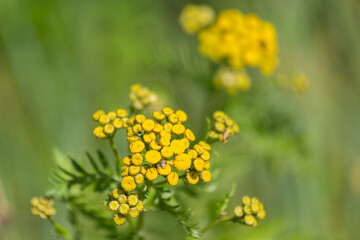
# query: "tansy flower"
{"type": "Point", "coordinates": [119, 219]}
{"type": "Point", "coordinates": [205, 175]}
{"type": "Point", "coordinates": [173, 178]}
{"type": "Point", "coordinates": [232, 81]}
{"type": "Point", "coordinates": [194, 17]}
{"type": "Point", "coordinates": [192, 177]}
{"type": "Point", "coordinates": [128, 183]}
{"type": "Point", "coordinates": [151, 174]}
{"type": "Point", "coordinates": [250, 212]}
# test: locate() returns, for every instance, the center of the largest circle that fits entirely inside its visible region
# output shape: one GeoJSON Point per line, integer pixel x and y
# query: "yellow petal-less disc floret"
{"type": "Point", "coordinates": [247, 210]}
{"type": "Point", "coordinates": [186, 142]}
{"type": "Point", "coordinates": [164, 141]}
{"type": "Point", "coordinates": [148, 125]}
{"type": "Point", "coordinates": [140, 206]}
{"type": "Point", "coordinates": [173, 118]}
{"type": "Point", "coordinates": [199, 164]}
{"type": "Point", "coordinates": [166, 170]}
{"type": "Point", "coordinates": [122, 113]}
{"type": "Point", "coordinates": [137, 128]}
{"type": "Point", "coordinates": [134, 212]}
{"type": "Point", "coordinates": [112, 115]}
{"type": "Point", "coordinates": [192, 177]}
{"type": "Point", "coordinates": [118, 123]}
{"type": "Point", "coordinates": [177, 146]}
{"type": "Point", "coordinates": [158, 116]}
{"type": "Point", "coordinates": [139, 178]}
{"type": "Point", "coordinates": [173, 178]}
{"type": "Point", "coordinates": [182, 162]}
{"type": "Point", "coordinates": [117, 192]}
{"type": "Point", "coordinates": [192, 154]}
{"type": "Point", "coordinates": [133, 170]}
{"type": "Point", "coordinates": [199, 149]}
{"type": "Point", "coordinates": [99, 132]}
{"type": "Point", "coordinates": [140, 118]}
{"type": "Point", "coordinates": [122, 198]}
{"type": "Point", "coordinates": [207, 165]}
{"type": "Point", "coordinates": [168, 126]}
{"type": "Point", "coordinates": [255, 207]}
{"type": "Point", "coordinates": [151, 174]}
{"type": "Point", "coordinates": [250, 220]}
{"type": "Point", "coordinates": [114, 205]}
{"type": "Point", "coordinates": [104, 119]}
{"type": "Point", "coordinates": [155, 146]}
{"type": "Point", "coordinates": [167, 152]}
{"type": "Point", "coordinates": [124, 171]}
{"type": "Point", "coordinates": [128, 183]}
{"type": "Point", "coordinates": [152, 156]}
{"type": "Point", "coordinates": [178, 129]}
{"type": "Point", "coordinates": [205, 176]}
{"type": "Point", "coordinates": [133, 199]}
{"type": "Point", "coordinates": [167, 111]}
{"type": "Point", "coordinates": [157, 128]}
{"type": "Point", "coordinates": [205, 155]}
{"type": "Point", "coordinates": [238, 211]}
{"type": "Point", "coordinates": [261, 214]}
{"type": "Point", "coordinates": [109, 129]}
{"type": "Point", "coordinates": [127, 160]}
{"type": "Point", "coordinates": [189, 135]}
{"type": "Point", "coordinates": [119, 219]}
{"type": "Point", "coordinates": [137, 147]}
{"type": "Point", "coordinates": [246, 200]}
{"type": "Point", "coordinates": [149, 137]}
{"type": "Point", "coordinates": [97, 115]}
{"type": "Point", "coordinates": [181, 115]}
{"type": "Point", "coordinates": [205, 145]}
{"type": "Point", "coordinates": [124, 208]}
{"type": "Point", "coordinates": [137, 159]}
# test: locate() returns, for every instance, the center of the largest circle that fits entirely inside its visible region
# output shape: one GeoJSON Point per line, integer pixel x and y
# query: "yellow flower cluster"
{"type": "Point", "coordinates": [42, 206]}
{"type": "Point", "coordinates": [110, 122]}
{"type": "Point", "coordinates": [141, 96]}
{"type": "Point", "coordinates": [251, 211]}
{"type": "Point", "coordinates": [125, 205]}
{"type": "Point", "coordinates": [231, 80]}
{"type": "Point", "coordinates": [223, 128]}
{"type": "Point", "coordinates": [298, 82]}
{"type": "Point", "coordinates": [163, 146]}
{"type": "Point", "coordinates": [242, 40]}
{"type": "Point", "coordinates": [194, 17]}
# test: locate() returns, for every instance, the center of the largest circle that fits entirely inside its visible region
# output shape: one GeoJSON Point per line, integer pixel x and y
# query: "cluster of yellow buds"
{"type": "Point", "coordinates": [231, 80]}
{"type": "Point", "coordinates": [251, 211]}
{"type": "Point", "coordinates": [125, 205]}
{"type": "Point", "coordinates": [298, 82]}
{"type": "Point", "coordinates": [223, 128]}
{"type": "Point", "coordinates": [242, 40]}
{"type": "Point", "coordinates": [141, 96]}
{"type": "Point", "coordinates": [110, 122]}
{"type": "Point", "coordinates": [42, 206]}
{"type": "Point", "coordinates": [163, 146]}
{"type": "Point", "coordinates": [194, 17]}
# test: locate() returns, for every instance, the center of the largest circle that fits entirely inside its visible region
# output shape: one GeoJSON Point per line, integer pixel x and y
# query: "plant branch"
{"type": "Point", "coordinates": [117, 161]}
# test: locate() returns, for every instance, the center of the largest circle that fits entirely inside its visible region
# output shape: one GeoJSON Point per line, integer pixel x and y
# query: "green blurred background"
{"type": "Point", "coordinates": [61, 60]}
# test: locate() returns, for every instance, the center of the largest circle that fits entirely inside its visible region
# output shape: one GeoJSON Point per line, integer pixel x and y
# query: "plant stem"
{"type": "Point", "coordinates": [59, 230]}
{"type": "Point", "coordinates": [117, 161]}
{"type": "Point", "coordinates": [212, 224]}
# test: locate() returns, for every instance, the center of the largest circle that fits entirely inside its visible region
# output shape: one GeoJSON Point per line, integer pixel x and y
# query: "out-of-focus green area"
{"type": "Point", "coordinates": [62, 60]}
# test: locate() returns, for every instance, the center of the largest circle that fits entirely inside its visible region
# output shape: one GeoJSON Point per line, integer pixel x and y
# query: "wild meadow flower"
{"type": "Point", "coordinates": [231, 80]}
{"type": "Point", "coordinates": [141, 96]}
{"type": "Point", "coordinates": [222, 128]}
{"type": "Point", "coordinates": [42, 207]}
{"type": "Point", "coordinates": [194, 17]}
{"type": "Point", "coordinates": [250, 212]}
{"type": "Point", "coordinates": [296, 82]}
{"type": "Point", "coordinates": [241, 40]}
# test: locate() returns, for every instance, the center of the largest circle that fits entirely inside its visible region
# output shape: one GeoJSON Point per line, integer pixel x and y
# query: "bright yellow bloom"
{"type": "Point", "coordinates": [134, 212]}
{"type": "Point", "coordinates": [112, 115]}
{"type": "Point", "coordinates": [132, 200]}
{"type": "Point", "coordinates": [133, 170]}
{"type": "Point", "coordinates": [250, 220]}
{"type": "Point", "coordinates": [140, 206]}
{"type": "Point", "coordinates": [205, 176]}
{"type": "Point", "coordinates": [140, 118]}
{"type": "Point", "coordinates": [158, 116]}
{"type": "Point", "coordinates": [139, 178]}
{"type": "Point", "coordinates": [173, 178]}
{"type": "Point", "coordinates": [127, 160]}
{"type": "Point", "coordinates": [207, 165]}
{"type": "Point", "coordinates": [148, 125]}
{"type": "Point", "coordinates": [137, 159]}
{"type": "Point", "coordinates": [166, 170]}
{"type": "Point", "coordinates": [167, 152]}
{"type": "Point", "coordinates": [246, 200]}
{"type": "Point", "coordinates": [177, 146]}
{"type": "Point", "coordinates": [124, 171]}
{"type": "Point", "coordinates": [238, 211]}
{"type": "Point", "coordinates": [158, 127]}
{"type": "Point", "coordinates": [178, 129]}
{"type": "Point", "coordinates": [199, 164]}
{"type": "Point", "coordinates": [164, 141]}
{"type": "Point", "coordinates": [167, 111]}
{"type": "Point", "coordinates": [192, 177]}
{"type": "Point", "coordinates": [199, 149]}
{"type": "Point", "coordinates": [42, 207]}
{"type": "Point", "coordinates": [151, 174]}
{"type": "Point", "coordinates": [124, 208]}
{"type": "Point", "coordinates": [119, 219]}
{"type": "Point", "coordinates": [173, 118]}
{"type": "Point", "coordinates": [152, 156]}
{"type": "Point", "coordinates": [182, 162]}
{"type": "Point", "coordinates": [137, 128]}
{"type": "Point", "coordinates": [118, 123]}
{"type": "Point", "coordinates": [128, 183]}
{"type": "Point", "coordinates": [104, 119]}
{"type": "Point", "coordinates": [189, 135]}
{"type": "Point", "coordinates": [261, 214]}
{"type": "Point", "coordinates": [155, 146]}
{"type": "Point", "coordinates": [168, 126]}
{"type": "Point", "coordinates": [194, 17]}
{"type": "Point", "coordinates": [137, 147]}
{"type": "Point", "coordinates": [117, 192]}
{"type": "Point", "coordinates": [192, 154]}
{"type": "Point", "coordinates": [247, 210]}
{"type": "Point", "coordinates": [97, 115]}
{"type": "Point", "coordinates": [121, 113]}
{"type": "Point", "coordinates": [205, 155]}
{"type": "Point", "coordinates": [181, 115]}
{"type": "Point", "coordinates": [205, 145]}
{"type": "Point", "coordinates": [114, 205]}
{"type": "Point", "coordinates": [99, 132]}
{"type": "Point", "coordinates": [109, 129]}
{"type": "Point", "coordinates": [186, 142]}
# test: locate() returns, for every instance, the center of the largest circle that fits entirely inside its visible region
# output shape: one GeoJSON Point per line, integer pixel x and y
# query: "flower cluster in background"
{"type": "Point", "coordinates": [231, 80]}
{"type": "Point", "coordinates": [194, 17]}
{"type": "Point", "coordinates": [222, 128]}
{"type": "Point", "coordinates": [42, 206]}
{"type": "Point", "coordinates": [251, 211]}
{"type": "Point", "coordinates": [125, 205]}
{"type": "Point", "coordinates": [297, 82]}
{"type": "Point", "coordinates": [110, 122]}
{"type": "Point", "coordinates": [141, 96]}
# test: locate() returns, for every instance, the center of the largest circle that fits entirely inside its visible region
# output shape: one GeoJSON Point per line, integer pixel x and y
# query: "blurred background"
{"type": "Point", "coordinates": [62, 60]}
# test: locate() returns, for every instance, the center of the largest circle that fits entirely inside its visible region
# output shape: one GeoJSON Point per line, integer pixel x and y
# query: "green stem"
{"type": "Point", "coordinates": [117, 161]}
{"type": "Point", "coordinates": [217, 221]}
{"type": "Point", "coordinates": [59, 230]}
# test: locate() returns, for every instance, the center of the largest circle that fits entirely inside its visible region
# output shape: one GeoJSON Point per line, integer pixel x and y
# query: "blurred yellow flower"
{"type": "Point", "coordinates": [231, 80]}
{"type": "Point", "coordinates": [194, 17]}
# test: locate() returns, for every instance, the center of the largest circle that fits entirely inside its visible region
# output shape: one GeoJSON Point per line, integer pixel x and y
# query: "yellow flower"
{"type": "Point", "coordinates": [178, 129]}
{"type": "Point", "coordinates": [152, 156]}
{"type": "Point", "coordinates": [168, 126]}
{"type": "Point", "coordinates": [124, 208]}
{"type": "Point", "coordinates": [127, 160]}
{"type": "Point", "coordinates": [231, 80]}
{"type": "Point", "coordinates": [124, 171]}
{"type": "Point", "coordinates": [205, 176]}
{"type": "Point", "coordinates": [166, 170]}
{"type": "Point", "coordinates": [250, 220]}
{"type": "Point", "coordinates": [177, 146]}
{"type": "Point", "coordinates": [194, 17]}
{"type": "Point", "coordinates": [133, 199]}
{"type": "Point", "coordinates": [167, 152]}
{"type": "Point", "coordinates": [192, 177]}
{"type": "Point", "coordinates": [118, 123]}
{"type": "Point", "coordinates": [99, 132]}
{"type": "Point", "coordinates": [205, 145]}
{"type": "Point", "coordinates": [140, 206]}
{"type": "Point", "coordinates": [173, 118]}
{"type": "Point", "coordinates": [155, 146]}
{"type": "Point", "coordinates": [137, 159]}
{"type": "Point", "coordinates": [186, 142]}
{"type": "Point", "coordinates": [109, 129]}
{"type": "Point", "coordinates": [122, 198]}
{"type": "Point", "coordinates": [167, 111]}
{"type": "Point", "coordinates": [261, 214]}
{"type": "Point", "coordinates": [207, 165]}
{"type": "Point", "coordinates": [182, 162]}
{"type": "Point", "coordinates": [205, 155]}
{"type": "Point", "coordinates": [117, 192]}
{"type": "Point", "coordinates": [140, 118]}
{"type": "Point", "coordinates": [199, 164]}
{"type": "Point", "coordinates": [148, 125]}
{"type": "Point", "coordinates": [114, 205]}
{"type": "Point", "coordinates": [137, 147]}
{"type": "Point", "coordinates": [173, 178]}
{"type": "Point", "coordinates": [137, 128]}
{"type": "Point", "coordinates": [139, 178]}
{"type": "Point", "coordinates": [164, 141]}
{"type": "Point", "coordinates": [119, 219]}
{"type": "Point", "coordinates": [181, 115]}
{"type": "Point", "coordinates": [104, 119]}
{"type": "Point", "coordinates": [112, 115]}
{"type": "Point", "coordinates": [133, 170]}
{"type": "Point", "coordinates": [158, 127]}
{"type": "Point", "coordinates": [192, 154]}
{"type": "Point", "coordinates": [128, 183]}
{"type": "Point", "coordinates": [199, 149]}
{"type": "Point", "coordinates": [122, 113]}
{"type": "Point", "coordinates": [238, 211]}
{"type": "Point", "coordinates": [97, 115]}
{"type": "Point", "coordinates": [158, 116]}
{"type": "Point", "coordinates": [151, 174]}
{"type": "Point", "coordinates": [189, 135]}
{"type": "Point", "coordinates": [134, 212]}
{"type": "Point", "coordinates": [246, 200]}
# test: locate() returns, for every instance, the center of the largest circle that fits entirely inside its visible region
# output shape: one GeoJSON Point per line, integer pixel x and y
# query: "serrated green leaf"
{"type": "Point", "coordinates": [221, 207]}
{"type": "Point", "coordinates": [77, 166]}
{"type": "Point", "coordinates": [93, 163]}
{"type": "Point", "coordinates": [104, 162]}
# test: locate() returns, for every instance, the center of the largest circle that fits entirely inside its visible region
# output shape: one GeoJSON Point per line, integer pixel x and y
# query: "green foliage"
{"type": "Point", "coordinates": [222, 206]}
